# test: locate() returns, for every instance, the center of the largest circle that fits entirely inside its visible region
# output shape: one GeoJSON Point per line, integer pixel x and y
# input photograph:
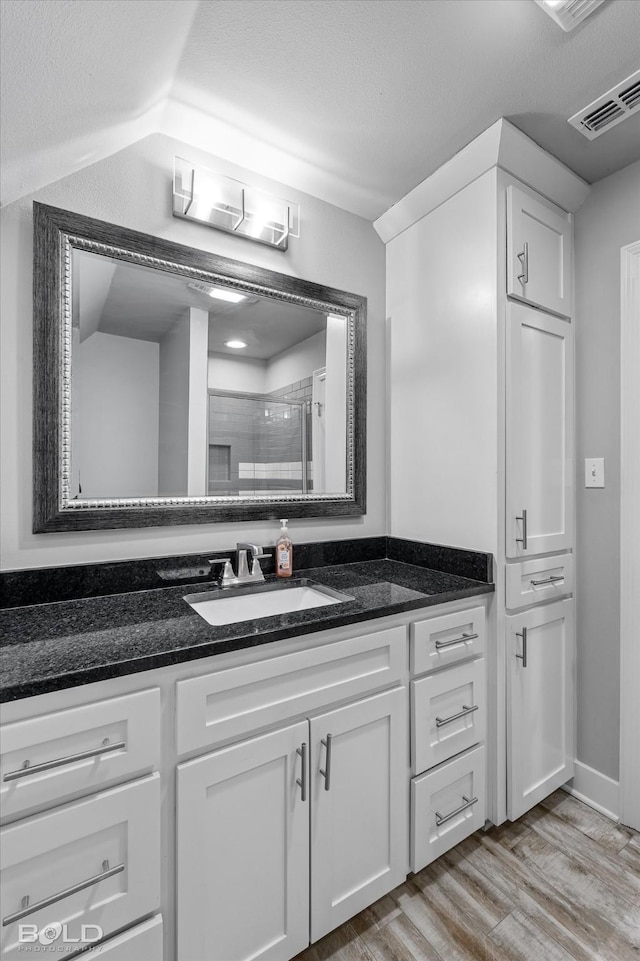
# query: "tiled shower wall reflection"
{"type": "Point", "coordinates": [256, 441]}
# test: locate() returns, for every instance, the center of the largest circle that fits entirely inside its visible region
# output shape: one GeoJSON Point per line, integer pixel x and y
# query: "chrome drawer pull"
{"type": "Point", "coordinates": [27, 908]}
{"type": "Point", "coordinates": [440, 819]}
{"type": "Point", "coordinates": [454, 717]}
{"type": "Point", "coordinates": [523, 540]}
{"type": "Point", "coordinates": [302, 780]}
{"type": "Point", "coordinates": [548, 580]}
{"type": "Point", "coordinates": [524, 260]}
{"type": "Point", "coordinates": [523, 635]}
{"type": "Point", "coordinates": [326, 772]}
{"type": "Point", "coordinates": [27, 769]}
{"type": "Point", "coordinates": [456, 640]}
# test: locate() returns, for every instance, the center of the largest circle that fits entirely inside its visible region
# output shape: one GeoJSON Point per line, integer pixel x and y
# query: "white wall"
{"type": "Point", "coordinates": [117, 390]}
{"type": "Point", "coordinates": [184, 406]}
{"type": "Point", "coordinates": [335, 402]}
{"type": "Point", "coordinates": [174, 410]}
{"type": "Point", "coordinates": [198, 402]}
{"type": "Point", "coordinates": [244, 374]}
{"type": "Point", "coordinates": [609, 219]}
{"type": "Point", "coordinates": [296, 363]}
{"type": "Point", "coordinates": [133, 188]}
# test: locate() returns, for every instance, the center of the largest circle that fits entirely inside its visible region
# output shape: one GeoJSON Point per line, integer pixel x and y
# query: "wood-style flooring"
{"type": "Point", "coordinates": [560, 884]}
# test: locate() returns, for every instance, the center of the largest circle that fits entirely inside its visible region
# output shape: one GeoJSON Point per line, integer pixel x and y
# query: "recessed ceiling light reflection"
{"type": "Point", "coordinates": [235, 344]}
{"type": "Point", "coordinates": [220, 293]}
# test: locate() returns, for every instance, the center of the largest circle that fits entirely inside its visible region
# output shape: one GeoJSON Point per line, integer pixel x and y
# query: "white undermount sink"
{"type": "Point", "coordinates": [249, 603]}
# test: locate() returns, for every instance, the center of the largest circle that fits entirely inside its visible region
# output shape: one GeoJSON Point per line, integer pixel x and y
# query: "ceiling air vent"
{"type": "Point", "coordinates": [610, 109]}
{"type": "Point", "coordinates": [568, 13]}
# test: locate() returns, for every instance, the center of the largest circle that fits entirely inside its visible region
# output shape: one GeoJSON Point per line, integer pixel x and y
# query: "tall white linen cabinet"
{"type": "Point", "coordinates": [481, 425]}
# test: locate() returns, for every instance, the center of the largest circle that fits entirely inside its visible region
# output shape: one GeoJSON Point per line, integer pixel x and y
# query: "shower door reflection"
{"type": "Point", "coordinates": [258, 444]}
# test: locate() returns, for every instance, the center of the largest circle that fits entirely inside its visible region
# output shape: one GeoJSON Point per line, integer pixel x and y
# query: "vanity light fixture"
{"type": "Point", "coordinates": [235, 344]}
{"type": "Point", "coordinates": [237, 208]}
{"type": "Point", "coordinates": [569, 13]}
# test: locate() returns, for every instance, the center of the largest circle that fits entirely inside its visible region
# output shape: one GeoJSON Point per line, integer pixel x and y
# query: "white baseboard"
{"type": "Point", "coordinates": [596, 789]}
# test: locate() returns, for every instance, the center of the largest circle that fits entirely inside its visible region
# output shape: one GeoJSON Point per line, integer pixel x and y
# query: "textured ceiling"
{"type": "Point", "coordinates": [355, 101]}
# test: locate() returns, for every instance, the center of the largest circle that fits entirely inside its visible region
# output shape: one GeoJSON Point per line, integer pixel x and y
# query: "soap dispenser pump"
{"type": "Point", "coordinates": [284, 552]}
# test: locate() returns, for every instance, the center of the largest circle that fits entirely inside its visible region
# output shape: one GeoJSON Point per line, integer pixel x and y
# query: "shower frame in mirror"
{"type": "Point", "coordinates": [56, 234]}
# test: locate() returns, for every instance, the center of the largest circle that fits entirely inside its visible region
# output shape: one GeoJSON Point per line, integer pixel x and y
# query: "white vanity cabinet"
{"type": "Point", "coordinates": [58, 755]}
{"type": "Point", "coordinates": [89, 867]}
{"type": "Point", "coordinates": [283, 836]}
{"type": "Point", "coordinates": [263, 797]}
{"type": "Point", "coordinates": [448, 725]}
{"type": "Point", "coordinates": [92, 864]}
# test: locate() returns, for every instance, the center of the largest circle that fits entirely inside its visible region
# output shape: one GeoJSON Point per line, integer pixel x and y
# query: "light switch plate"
{"type": "Point", "coordinates": [594, 472]}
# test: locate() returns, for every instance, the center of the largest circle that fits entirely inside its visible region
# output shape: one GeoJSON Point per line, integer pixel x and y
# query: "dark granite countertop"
{"type": "Point", "coordinates": [52, 646]}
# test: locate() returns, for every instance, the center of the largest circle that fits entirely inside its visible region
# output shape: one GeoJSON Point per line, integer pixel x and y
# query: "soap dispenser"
{"type": "Point", "coordinates": [284, 552]}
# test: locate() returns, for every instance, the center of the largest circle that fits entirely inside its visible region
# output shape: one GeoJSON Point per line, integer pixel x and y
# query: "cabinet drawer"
{"type": "Point", "coordinates": [443, 640]}
{"type": "Point", "coordinates": [236, 701]}
{"type": "Point", "coordinates": [443, 806]}
{"type": "Point", "coordinates": [448, 713]}
{"type": "Point", "coordinates": [542, 579]}
{"type": "Point", "coordinates": [92, 862]}
{"type": "Point", "coordinates": [142, 943]}
{"type": "Point", "coordinates": [53, 757]}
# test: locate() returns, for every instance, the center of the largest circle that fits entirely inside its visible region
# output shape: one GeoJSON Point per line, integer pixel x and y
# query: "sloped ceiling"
{"type": "Point", "coordinates": [354, 101]}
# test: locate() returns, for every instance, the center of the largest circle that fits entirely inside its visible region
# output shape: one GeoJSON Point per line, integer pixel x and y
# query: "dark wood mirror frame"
{"type": "Point", "coordinates": [56, 233]}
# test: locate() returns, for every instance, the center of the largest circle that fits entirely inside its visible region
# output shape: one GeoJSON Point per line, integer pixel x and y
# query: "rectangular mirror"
{"type": "Point", "coordinates": [173, 386]}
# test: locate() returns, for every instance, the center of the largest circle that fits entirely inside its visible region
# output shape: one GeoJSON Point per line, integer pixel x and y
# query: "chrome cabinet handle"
{"type": "Point", "coordinates": [27, 908]}
{"type": "Point", "coordinates": [547, 580]}
{"type": "Point", "coordinates": [302, 781]}
{"type": "Point", "coordinates": [454, 717]}
{"type": "Point", "coordinates": [524, 260]}
{"type": "Point", "coordinates": [456, 640]}
{"type": "Point", "coordinates": [27, 769]}
{"type": "Point", "coordinates": [523, 540]}
{"type": "Point", "coordinates": [523, 656]}
{"type": "Point", "coordinates": [442, 819]}
{"type": "Point", "coordinates": [326, 772]}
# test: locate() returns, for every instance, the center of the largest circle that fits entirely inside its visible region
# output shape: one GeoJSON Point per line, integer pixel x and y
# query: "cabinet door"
{"type": "Point", "coordinates": [539, 462]}
{"type": "Point", "coordinates": [540, 646]}
{"type": "Point", "coordinates": [243, 851]}
{"type": "Point", "coordinates": [359, 807]}
{"type": "Point", "coordinates": [538, 253]}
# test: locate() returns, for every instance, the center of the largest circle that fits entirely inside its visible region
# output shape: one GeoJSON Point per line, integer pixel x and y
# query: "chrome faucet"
{"type": "Point", "coordinates": [257, 554]}
{"type": "Point", "coordinates": [244, 576]}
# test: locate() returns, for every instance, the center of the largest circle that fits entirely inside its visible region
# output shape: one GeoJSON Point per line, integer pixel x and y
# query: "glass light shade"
{"type": "Point", "coordinates": [218, 201]}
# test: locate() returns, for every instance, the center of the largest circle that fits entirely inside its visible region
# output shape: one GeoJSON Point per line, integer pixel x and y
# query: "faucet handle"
{"type": "Point", "coordinates": [256, 571]}
{"type": "Point", "coordinates": [226, 574]}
